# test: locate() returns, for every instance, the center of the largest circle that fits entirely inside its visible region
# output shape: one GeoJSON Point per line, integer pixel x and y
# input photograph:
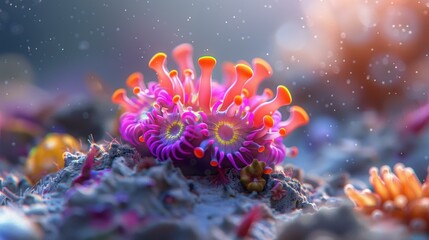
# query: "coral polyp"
{"type": "Point", "coordinates": [399, 195]}
{"type": "Point", "coordinates": [183, 116]}
{"type": "Point", "coordinates": [251, 176]}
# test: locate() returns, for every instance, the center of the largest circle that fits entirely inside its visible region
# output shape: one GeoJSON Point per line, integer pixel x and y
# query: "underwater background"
{"type": "Point", "coordinates": [360, 70]}
{"type": "Point", "coordinates": [337, 58]}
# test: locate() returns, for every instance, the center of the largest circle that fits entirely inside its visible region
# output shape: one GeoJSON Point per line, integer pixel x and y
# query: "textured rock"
{"type": "Point", "coordinates": [14, 225]}
{"type": "Point", "coordinates": [335, 223]}
{"type": "Point", "coordinates": [125, 200]}
{"type": "Point", "coordinates": [294, 196]}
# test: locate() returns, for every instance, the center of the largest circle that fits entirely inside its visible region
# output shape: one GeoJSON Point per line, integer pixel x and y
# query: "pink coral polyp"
{"type": "Point", "coordinates": [184, 117]}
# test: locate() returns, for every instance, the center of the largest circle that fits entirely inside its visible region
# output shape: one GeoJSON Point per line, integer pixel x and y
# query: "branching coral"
{"type": "Point", "coordinates": [86, 168]}
{"type": "Point", "coordinates": [222, 125]}
{"type": "Point", "coordinates": [399, 195]}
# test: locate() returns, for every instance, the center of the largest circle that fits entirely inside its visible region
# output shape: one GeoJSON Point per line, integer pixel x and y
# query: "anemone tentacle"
{"type": "Point", "coordinates": [396, 194]}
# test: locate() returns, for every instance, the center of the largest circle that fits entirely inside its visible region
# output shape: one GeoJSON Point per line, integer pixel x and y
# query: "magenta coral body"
{"type": "Point", "coordinates": [184, 117]}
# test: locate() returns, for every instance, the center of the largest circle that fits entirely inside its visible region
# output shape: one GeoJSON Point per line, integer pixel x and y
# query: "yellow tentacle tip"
{"type": "Point", "coordinates": [284, 94]}
{"type": "Point", "coordinates": [299, 110]}
{"type": "Point", "coordinates": [244, 70]}
{"type": "Point", "coordinates": [118, 96]}
{"type": "Point", "coordinates": [207, 61]}
{"type": "Point", "coordinates": [173, 73]}
{"type": "Point", "coordinates": [262, 64]}
{"type": "Point", "coordinates": [157, 59]}
{"type": "Point", "coordinates": [134, 79]}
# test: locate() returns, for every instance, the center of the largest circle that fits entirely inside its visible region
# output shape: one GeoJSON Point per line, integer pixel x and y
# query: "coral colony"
{"type": "Point", "coordinates": [209, 124]}
{"type": "Point", "coordinates": [118, 191]}
{"type": "Point", "coordinates": [399, 195]}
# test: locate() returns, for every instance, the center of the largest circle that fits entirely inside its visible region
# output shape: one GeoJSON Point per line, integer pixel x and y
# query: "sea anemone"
{"type": "Point", "coordinates": [399, 195]}
{"type": "Point", "coordinates": [222, 125]}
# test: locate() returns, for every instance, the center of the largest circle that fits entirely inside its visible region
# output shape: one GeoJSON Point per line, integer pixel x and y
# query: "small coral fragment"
{"type": "Point", "coordinates": [251, 176]}
{"type": "Point", "coordinates": [86, 168]}
{"type": "Point", "coordinates": [397, 194]}
{"type": "Point", "coordinates": [47, 156]}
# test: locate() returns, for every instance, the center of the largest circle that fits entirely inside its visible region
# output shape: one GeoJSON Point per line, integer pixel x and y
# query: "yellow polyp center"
{"type": "Point", "coordinates": [225, 133]}
{"type": "Point", "coordinates": [134, 79]}
{"type": "Point", "coordinates": [188, 72]}
{"type": "Point", "coordinates": [174, 130]}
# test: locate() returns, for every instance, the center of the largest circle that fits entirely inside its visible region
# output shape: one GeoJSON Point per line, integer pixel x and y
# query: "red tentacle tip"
{"type": "Point", "coordinates": [199, 152]}
{"type": "Point", "coordinates": [268, 170]}
{"type": "Point", "coordinates": [214, 163]}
